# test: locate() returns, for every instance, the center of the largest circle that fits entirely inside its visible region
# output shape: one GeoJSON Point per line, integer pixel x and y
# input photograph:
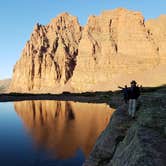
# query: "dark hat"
{"type": "Point", "coordinates": [133, 82]}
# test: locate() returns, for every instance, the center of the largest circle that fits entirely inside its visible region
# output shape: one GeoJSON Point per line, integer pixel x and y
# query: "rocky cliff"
{"type": "Point", "coordinates": [111, 49]}
{"type": "Point", "coordinates": [49, 57]}
{"type": "Point", "coordinates": [157, 29]}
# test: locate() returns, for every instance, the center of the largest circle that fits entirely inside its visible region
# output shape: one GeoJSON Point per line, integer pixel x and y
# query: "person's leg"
{"type": "Point", "coordinates": [130, 107]}
{"type": "Point", "coordinates": [125, 100]}
{"type": "Point", "coordinates": [133, 107]}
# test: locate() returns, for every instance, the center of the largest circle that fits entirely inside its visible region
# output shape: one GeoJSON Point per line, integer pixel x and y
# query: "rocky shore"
{"type": "Point", "coordinates": [138, 142]}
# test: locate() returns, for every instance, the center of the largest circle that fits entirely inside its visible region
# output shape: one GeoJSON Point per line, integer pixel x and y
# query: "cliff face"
{"type": "Point", "coordinates": [49, 57]}
{"type": "Point", "coordinates": [157, 29]}
{"type": "Point", "coordinates": [112, 48]}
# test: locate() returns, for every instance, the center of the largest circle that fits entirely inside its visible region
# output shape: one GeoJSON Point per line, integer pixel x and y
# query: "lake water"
{"type": "Point", "coordinates": [49, 133]}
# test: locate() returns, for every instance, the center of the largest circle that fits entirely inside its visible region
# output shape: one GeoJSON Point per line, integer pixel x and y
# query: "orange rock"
{"type": "Point", "coordinates": [112, 49]}
{"type": "Point", "coordinates": [49, 57]}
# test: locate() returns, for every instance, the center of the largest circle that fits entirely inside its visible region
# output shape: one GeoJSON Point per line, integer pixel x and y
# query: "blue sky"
{"type": "Point", "coordinates": [18, 17]}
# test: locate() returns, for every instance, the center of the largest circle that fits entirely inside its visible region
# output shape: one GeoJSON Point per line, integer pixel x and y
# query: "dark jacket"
{"type": "Point", "coordinates": [134, 92]}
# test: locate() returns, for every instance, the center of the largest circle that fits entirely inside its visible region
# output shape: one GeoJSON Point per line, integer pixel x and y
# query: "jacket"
{"type": "Point", "coordinates": [134, 92]}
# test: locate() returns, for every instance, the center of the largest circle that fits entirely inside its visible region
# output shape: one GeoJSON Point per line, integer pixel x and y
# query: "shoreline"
{"type": "Point", "coordinates": [113, 97]}
{"type": "Point", "coordinates": [110, 98]}
{"type": "Point", "coordinates": [134, 142]}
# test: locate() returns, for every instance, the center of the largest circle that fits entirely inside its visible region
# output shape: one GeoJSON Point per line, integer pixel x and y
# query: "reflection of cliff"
{"type": "Point", "coordinates": [64, 127]}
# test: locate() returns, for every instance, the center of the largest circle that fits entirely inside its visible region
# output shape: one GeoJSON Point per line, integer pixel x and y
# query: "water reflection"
{"type": "Point", "coordinates": [62, 128]}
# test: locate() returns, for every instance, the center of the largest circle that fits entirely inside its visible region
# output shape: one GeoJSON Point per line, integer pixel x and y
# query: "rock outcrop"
{"type": "Point", "coordinates": [134, 142]}
{"type": "Point", "coordinates": [112, 48]}
{"type": "Point", "coordinates": [157, 29]}
{"type": "Point", "coordinates": [49, 57]}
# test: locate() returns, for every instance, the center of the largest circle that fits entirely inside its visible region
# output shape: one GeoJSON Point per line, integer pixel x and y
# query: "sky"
{"type": "Point", "coordinates": [18, 17]}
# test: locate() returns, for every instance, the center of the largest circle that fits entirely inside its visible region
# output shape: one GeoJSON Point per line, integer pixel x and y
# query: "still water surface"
{"type": "Point", "coordinates": [49, 133]}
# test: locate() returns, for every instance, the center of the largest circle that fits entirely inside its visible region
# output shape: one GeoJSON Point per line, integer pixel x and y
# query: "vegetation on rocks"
{"type": "Point", "coordinates": [139, 142]}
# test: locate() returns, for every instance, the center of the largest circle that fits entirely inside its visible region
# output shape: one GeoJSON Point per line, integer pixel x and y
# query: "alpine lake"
{"type": "Point", "coordinates": [49, 132]}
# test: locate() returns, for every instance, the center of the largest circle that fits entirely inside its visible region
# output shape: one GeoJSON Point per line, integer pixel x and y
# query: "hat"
{"type": "Point", "coordinates": [133, 82]}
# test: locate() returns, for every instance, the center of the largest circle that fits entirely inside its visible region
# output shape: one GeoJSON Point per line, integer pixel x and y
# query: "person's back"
{"type": "Point", "coordinates": [134, 93]}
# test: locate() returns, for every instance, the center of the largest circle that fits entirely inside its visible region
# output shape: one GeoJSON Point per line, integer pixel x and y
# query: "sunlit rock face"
{"type": "Point", "coordinates": [49, 57]}
{"type": "Point", "coordinates": [62, 127]}
{"type": "Point", "coordinates": [157, 29]}
{"type": "Point", "coordinates": [115, 46]}
{"type": "Point", "coordinates": [112, 49]}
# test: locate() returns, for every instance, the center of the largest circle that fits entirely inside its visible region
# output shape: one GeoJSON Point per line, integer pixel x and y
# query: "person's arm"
{"type": "Point", "coordinates": [120, 87]}
{"type": "Point", "coordinates": [141, 87]}
{"type": "Point", "coordinates": [138, 92]}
